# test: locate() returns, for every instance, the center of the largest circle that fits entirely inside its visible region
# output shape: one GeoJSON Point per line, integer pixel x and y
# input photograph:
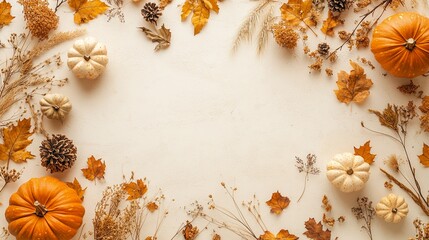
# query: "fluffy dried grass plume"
{"type": "Point", "coordinates": [284, 35]}
{"type": "Point", "coordinates": [39, 17]}
{"type": "Point", "coordinates": [393, 162]}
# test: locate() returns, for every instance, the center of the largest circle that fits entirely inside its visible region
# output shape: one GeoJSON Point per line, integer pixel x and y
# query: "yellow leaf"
{"type": "Point", "coordinates": [354, 87]}
{"type": "Point", "coordinates": [5, 16]}
{"type": "Point", "coordinates": [187, 8]}
{"type": "Point", "coordinates": [15, 140]}
{"type": "Point", "coordinates": [86, 10]}
{"type": "Point", "coordinates": [282, 235]}
{"type": "Point", "coordinates": [424, 158]}
{"type": "Point", "coordinates": [278, 203]}
{"type": "Point", "coordinates": [96, 169]}
{"type": "Point", "coordinates": [330, 23]}
{"type": "Point", "coordinates": [201, 12]}
{"type": "Point", "coordinates": [365, 152]}
{"type": "Point", "coordinates": [296, 11]}
{"type": "Point", "coordinates": [75, 185]}
{"type": "Point", "coordinates": [135, 190]}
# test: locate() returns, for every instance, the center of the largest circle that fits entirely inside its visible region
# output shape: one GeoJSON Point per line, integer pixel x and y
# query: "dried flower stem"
{"type": "Point", "coordinates": [365, 211]}
{"type": "Point", "coordinates": [309, 168]}
{"type": "Point", "coordinates": [58, 4]}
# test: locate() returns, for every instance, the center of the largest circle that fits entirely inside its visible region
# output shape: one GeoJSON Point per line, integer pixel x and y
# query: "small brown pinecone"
{"type": "Point", "coordinates": [323, 49]}
{"type": "Point", "coordinates": [338, 6]}
{"type": "Point", "coordinates": [151, 12]}
{"type": "Point", "coordinates": [58, 153]}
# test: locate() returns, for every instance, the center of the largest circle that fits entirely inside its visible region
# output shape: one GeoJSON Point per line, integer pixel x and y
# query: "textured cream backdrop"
{"type": "Point", "coordinates": [194, 115]}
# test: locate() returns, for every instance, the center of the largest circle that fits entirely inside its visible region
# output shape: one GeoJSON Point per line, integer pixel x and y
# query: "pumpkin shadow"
{"type": "Point", "coordinates": [89, 84]}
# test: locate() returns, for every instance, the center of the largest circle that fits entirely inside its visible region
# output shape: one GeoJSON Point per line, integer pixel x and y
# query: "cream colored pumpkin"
{"type": "Point", "coordinates": [87, 58]}
{"type": "Point", "coordinates": [55, 106]}
{"type": "Point", "coordinates": [348, 172]}
{"type": "Point", "coordinates": [392, 208]}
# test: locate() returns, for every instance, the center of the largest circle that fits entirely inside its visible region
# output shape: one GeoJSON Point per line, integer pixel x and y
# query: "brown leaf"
{"type": "Point", "coordinates": [282, 235]}
{"type": "Point", "coordinates": [326, 205]}
{"type": "Point", "coordinates": [96, 169]}
{"type": "Point", "coordinates": [424, 118]}
{"type": "Point", "coordinates": [135, 190]}
{"type": "Point", "coordinates": [296, 11]}
{"type": "Point", "coordinates": [86, 10]}
{"type": "Point", "coordinates": [315, 230]}
{"type": "Point", "coordinates": [190, 232]}
{"type": "Point", "coordinates": [75, 185]}
{"type": "Point", "coordinates": [330, 23]}
{"type": "Point", "coordinates": [5, 16]}
{"type": "Point", "coordinates": [152, 206]}
{"type": "Point", "coordinates": [389, 118]}
{"type": "Point", "coordinates": [424, 157]}
{"type": "Point", "coordinates": [15, 142]}
{"type": "Point", "coordinates": [365, 152]}
{"type": "Point", "coordinates": [354, 87]}
{"type": "Point", "coordinates": [201, 10]}
{"type": "Point", "coordinates": [216, 237]}
{"type": "Point", "coordinates": [278, 203]}
{"type": "Point", "coordinates": [162, 36]}
{"type": "Point", "coordinates": [328, 220]}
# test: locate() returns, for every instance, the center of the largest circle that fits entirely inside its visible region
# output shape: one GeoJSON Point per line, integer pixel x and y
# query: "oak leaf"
{"type": "Point", "coordinates": [86, 10]}
{"type": "Point", "coordinates": [135, 190]}
{"type": "Point", "coordinates": [282, 235]}
{"type": "Point", "coordinates": [96, 169]}
{"type": "Point", "coordinates": [5, 16]}
{"type": "Point", "coordinates": [330, 23]}
{"type": "Point", "coordinates": [315, 230]}
{"type": "Point", "coordinates": [353, 87]}
{"type": "Point", "coordinates": [201, 12]}
{"type": "Point", "coordinates": [424, 157]}
{"type": "Point", "coordinates": [278, 203]}
{"type": "Point", "coordinates": [162, 36]}
{"type": "Point", "coordinates": [15, 142]}
{"type": "Point", "coordinates": [365, 152]}
{"type": "Point", "coordinates": [75, 185]}
{"type": "Point", "coordinates": [152, 206]}
{"type": "Point", "coordinates": [296, 11]}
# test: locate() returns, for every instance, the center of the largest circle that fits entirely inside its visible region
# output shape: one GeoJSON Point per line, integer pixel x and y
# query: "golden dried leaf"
{"type": "Point", "coordinates": [354, 87]}
{"type": "Point", "coordinates": [15, 141]}
{"type": "Point", "coordinates": [164, 3]}
{"type": "Point", "coordinates": [152, 206]}
{"type": "Point", "coordinates": [329, 221]}
{"type": "Point", "coordinates": [96, 169]}
{"type": "Point", "coordinates": [424, 118]}
{"type": "Point", "coordinates": [326, 205]}
{"type": "Point", "coordinates": [216, 237]}
{"type": "Point", "coordinates": [365, 152]}
{"type": "Point", "coordinates": [315, 230]}
{"type": "Point", "coordinates": [5, 16]}
{"type": "Point", "coordinates": [135, 190]}
{"type": "Point", "coordinates": [86, 10]}
{"type": "Point", "coordinates": [278, 203]}
{"type": "Point", "coordinates": [162, 36]}
{"type": "Point", "coordinates": [282, 235]}
{"type": "Point", "coordinates": [148, 238]}
{"type": "Point", "coordinates": [296, 11]}
{"type": "Point", "coordinates": [201, 12]}
{"type": "Point", "coordinates": [330, 23]}
{"type": "Point", "coordinates": [75, 185]}
{"type": "Point", "coordinates": [424, 157]}
{"type": "Point", "coordinates": [190, 232]}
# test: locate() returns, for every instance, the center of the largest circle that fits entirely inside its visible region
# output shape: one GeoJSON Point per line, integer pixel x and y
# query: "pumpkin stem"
{"type": "Point", "coordinates": [410, 44]}
{"type": "Point", "coordinates": [395, 210]}
{"type": "Point", "coordinates": [86, 57]}
{"type": "Point", "coordinates": [350, 171]}
{"type": "Point", "coordinates": [56, 108]}
{"type": "Point", "coordinates": [40, 209]}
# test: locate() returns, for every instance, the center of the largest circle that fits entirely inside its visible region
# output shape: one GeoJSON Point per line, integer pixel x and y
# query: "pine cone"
{"type": "Point", "coordinates": [323, 49]}
{"type": "Point", "coordinates": [337, 6]}
{"type": "Point", "coordinates": [151, 12]}
{"type": "Point", "coordinates": [58, 153]}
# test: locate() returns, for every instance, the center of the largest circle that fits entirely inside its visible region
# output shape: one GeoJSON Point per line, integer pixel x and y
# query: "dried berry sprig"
{"type": "Point", "coordinates": [422, 230]}
{"type": "Point", "coordinates": [308, 167]}
{"type": "Point", "coordinates": [364, 211]}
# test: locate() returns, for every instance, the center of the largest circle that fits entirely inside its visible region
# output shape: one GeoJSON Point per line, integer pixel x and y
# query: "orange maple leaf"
{"type": "Point", "coordinates": [135, 190]}
{"type": "Point", "coordinates": [330, 23]}
{"type": "Point", "coordinates": [282, 235]}
{"type": "Point", "coordinates": [365, 152]}
{"type": "Point", "coordinates": [15, 142]}
{"type": "Point", "coordinates": [86, 10]}
{"type": "Point", "coordinates": [75, 185]}
{"type": "Point", "coordinates": [315, 230]}
{"type": "Point", "coordinates": [152, 206]}
{"type": "Point", "coordinates": [354, 87]}
{"type": "Point", "coordinates": [424, 157]}
{"type": "Point", "coordinates": [278, 203]}
{"type": "Point", "coordinates": [96, 169]}
{"type": "Point", "coordinates": [5, 16]}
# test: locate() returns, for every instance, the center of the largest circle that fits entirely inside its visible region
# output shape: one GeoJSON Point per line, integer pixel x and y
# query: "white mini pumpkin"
{"type": "Point", "coordinates": [55, 106]}
{"type": "Point", "coordinates": [87, 58]}
{"type": "Point", "coordinates": [348, 172]}
{"type": "Point", "coordinates": [392, 208]}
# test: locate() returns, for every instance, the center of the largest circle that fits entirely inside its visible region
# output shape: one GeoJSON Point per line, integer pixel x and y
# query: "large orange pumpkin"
{"type": "Point", "coordinates": [44, 209]}
{"type": "Point", "coordinates": [401, 44]}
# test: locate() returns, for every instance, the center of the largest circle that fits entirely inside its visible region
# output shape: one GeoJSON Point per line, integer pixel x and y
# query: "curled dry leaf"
{"type": "Point", "coordinates": [424, 157]}
{"type": "Point", "coordinates": [96, 169]}
{"type": "Point", "coordinates": [75, 185]}
{"type": "Point", "coordinates": [315, 230]}
{"type": "Point", "coordinates": [5, 16]}
{"type": "Point", "coordinates": [135, 190]}
{"type": "Point", "coordinates": [201, 10]}
{"type": "Point", "coordinates": [278, 202]}
{"type": "Point", "coordinates": [152, 206]}
{"type": "Point", "coordinates": [330, 23]}
{"type": "Point", "coordinates": [365, 152]}
{"type": "Point", "coordinates": [190, 232]}
{"type": "Point", "coordinates": [15, 142]}
{"type": "Point", "coordinates": [86, 10]}
{"type": "Point", "coordinates": [282, 235]}
{"type": "Point", "coordinates": [161, 36]}
{"type": "Point", "coordinates": [353, 87]}
{"type": "Point", "coordinates": [325, 204]}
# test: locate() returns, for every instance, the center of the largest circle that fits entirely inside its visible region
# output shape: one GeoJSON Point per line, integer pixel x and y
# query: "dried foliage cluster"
{"type": "Point", "coordinates": [364, 211]}
{"type": "Point", "coordinates": [41, 20]}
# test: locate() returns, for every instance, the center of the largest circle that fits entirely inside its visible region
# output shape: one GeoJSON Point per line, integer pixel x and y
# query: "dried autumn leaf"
{"type": "Point", "coordinates": [425, 105]}
{"type": "Point", "coordinates": [190, 232]}
{"type": "Point", "coordinates": [201, 12]}
{"type": "Point", "coordinates": [15, 141]}
{"type": "Point", "coordinates": [152, 206]}
{"type": "Point", "coordinates": [296, 11]}
{"type": "Point", "coordinates": [354, 87]}
{"type": "Point", "coordinates": [315, 230]}
{"type": "Point", "coordinates": [75, 185]}
{"type": "Point", "coordinates": [325, 204]}
{"type": "Point", "coordinates": [424, 157]}
{"type": "Point", "coordinates": [86, 10]}
{"type": "Point", "coordinates": [365, 152]}
{"type": "Point", "coordinates": [216, 237]}
{"type": "Point", "coordinates": [96, 169]}
{"type": "Point", "coordinates": [162, 36]}
{"type": "Point", "coordinates": [424, 118]}
{"type": "Point", "coordinates": [330, 23]}
{"type": "Point", "coordinates": [278, 203]}
{"type": "Point", "coordinates": [5, 16]}
{"type": "Point", "coordinates": [135, 190]}
{"type": "Point", "coordinates": [164, 3]}
{"type": "Point", "coordinates": [282, 235]}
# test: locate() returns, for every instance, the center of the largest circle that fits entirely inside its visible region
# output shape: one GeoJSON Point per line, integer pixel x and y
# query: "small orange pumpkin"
{"type": "Point", "coordinates": [44, 209]}
{"type": "Point", "coordinates": [401, 44]}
